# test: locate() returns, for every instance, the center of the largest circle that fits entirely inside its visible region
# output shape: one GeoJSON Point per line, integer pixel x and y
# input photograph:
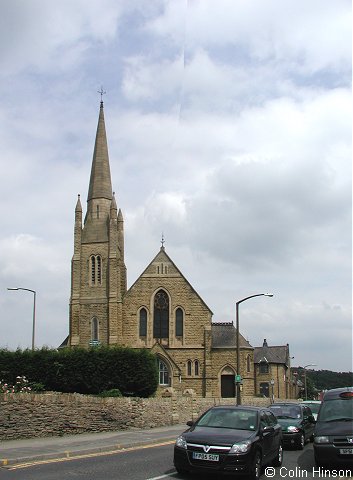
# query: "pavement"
{"type": "Point", "coordinates": [15, 452]}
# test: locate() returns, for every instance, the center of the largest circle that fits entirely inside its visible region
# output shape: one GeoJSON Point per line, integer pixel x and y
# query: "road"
{"type": "Point", "coordinates": [151, 463]}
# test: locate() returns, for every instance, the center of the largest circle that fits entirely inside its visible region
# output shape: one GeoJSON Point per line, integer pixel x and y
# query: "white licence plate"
{"type": "Point", "coordinates": [205, 456]}
{"type": "Point", "coordinates": [346, 451]}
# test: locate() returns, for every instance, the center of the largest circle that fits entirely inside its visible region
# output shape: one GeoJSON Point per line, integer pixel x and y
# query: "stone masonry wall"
{"type": "Point", "coordinates": [51, 414]}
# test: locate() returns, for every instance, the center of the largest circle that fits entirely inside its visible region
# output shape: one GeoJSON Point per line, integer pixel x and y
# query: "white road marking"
{"type": "Point", "coordinates": [168, 475]}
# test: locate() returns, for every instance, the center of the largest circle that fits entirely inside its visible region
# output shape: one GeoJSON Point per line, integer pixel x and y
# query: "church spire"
{"type": "Point", "coordinates": [100, 192]}
{"type": "Point", "coordinates": [100, 185]}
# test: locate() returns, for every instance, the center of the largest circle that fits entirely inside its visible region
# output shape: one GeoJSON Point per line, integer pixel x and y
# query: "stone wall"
{"type": "Point", "coordinates": [51, 414]}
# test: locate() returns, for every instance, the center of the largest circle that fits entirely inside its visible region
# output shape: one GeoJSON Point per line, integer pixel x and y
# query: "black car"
{"type": "Point", "coordinates": [297, 423]}
{"type": "Point", "coordinates": [333, 436]}
{"type": "Point", "coordinates": [232, 440]}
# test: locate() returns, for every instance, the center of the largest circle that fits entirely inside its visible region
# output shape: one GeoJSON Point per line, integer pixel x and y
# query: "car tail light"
{"type": "Point", "coordinates": [346, 395]}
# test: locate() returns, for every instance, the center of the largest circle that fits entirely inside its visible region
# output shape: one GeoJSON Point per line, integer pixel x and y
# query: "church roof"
{"type": "Point", "coordinates": [224, 335]}
{"type": "Point", "coordinates": [100, 185]}
{"type": "Point", "coordinates": [275, 354]}
{"type": "Point", "coordinates": [65, 343]}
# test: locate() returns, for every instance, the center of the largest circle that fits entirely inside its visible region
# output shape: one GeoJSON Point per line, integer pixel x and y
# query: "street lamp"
{"type": "Point", "coordinates": [238, 378]}
{"type": "Point", "coordinates": [305, 386]}
{"type": "Point", "coordinates": [34, 310]}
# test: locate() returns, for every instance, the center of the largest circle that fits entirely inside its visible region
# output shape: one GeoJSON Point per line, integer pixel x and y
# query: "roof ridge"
{"type": "Point", "coordinates": [222, 323]}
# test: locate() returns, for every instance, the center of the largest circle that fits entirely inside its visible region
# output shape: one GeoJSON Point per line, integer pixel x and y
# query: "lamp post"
{"type": "Point", "coordinates": [305, 385]}
{"type": "Point", "coordinates": [34, 310]}
{"type": "Point", "coordinates": [237, 338]}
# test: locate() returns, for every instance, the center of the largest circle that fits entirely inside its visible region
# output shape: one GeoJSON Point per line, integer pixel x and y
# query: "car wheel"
{"type": "Point", "coordinates": [301, 442]}
{"type": "Point", "coordinates": [256, 467]}
{"type": "Point", "coordinates": [181, 471]}
{"type": "Point", "coordinates": [277, 462]}
{"type": "Point", "coordinates": [319, 463]}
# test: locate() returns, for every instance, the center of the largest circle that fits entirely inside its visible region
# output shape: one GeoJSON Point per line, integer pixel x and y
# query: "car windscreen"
{"type": "Point", "coordinates": [227, 418]}
{"type": "Point", "coordinates": [286, 411]}
{"type": "Point", "coordinates": [337, 409]}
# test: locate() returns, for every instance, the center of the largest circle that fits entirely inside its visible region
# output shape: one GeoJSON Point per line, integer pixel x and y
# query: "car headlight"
{"type": "Point", "coordinates": [321, 439]}
{"type": "Point", "coordinates": [181, 442]}
{"type": "Point", "coordinates": [293, 429]}
{"type": "Point", "coordinates": [241, 447]}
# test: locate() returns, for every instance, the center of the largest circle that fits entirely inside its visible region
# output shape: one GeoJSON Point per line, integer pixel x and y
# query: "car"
{"type": "Point", "coordinates": [230, 439]}
{"type": "Point", "coordinates": [333, 435]}
{"type": "Point", "coordinates": [314, 406]}
{"type": "Point", "coordinates": [297, 423]}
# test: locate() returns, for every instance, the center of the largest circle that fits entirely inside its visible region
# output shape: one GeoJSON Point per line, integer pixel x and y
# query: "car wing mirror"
{"type": "Point", "coordinates": [267, 429]}
{"type": "Point", "coordinates": [190, 423]}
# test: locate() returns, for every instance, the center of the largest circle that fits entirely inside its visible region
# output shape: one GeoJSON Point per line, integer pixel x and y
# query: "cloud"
{"type": "Point", "coordinates": [67, 37]}
{"type": "Point", "coordinates": [229, 130]}
{"type": "Point", "coordinates": [297, 35]}
{"type": "Point", "coordinates": [288, 187]}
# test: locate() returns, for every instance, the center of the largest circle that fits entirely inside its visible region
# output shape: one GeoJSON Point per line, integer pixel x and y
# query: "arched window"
{"type": "Point", "coordinates": [99, 269]}
{"type": "Point", "coordinates": [143, 322]}
{"type": "Point", "coordinates": [179, 322]}
{"type": "Point", "coordinates": [93, 270]}
{"type": "Point", "coordinates": [248, 363]}
{"type": "Point", "coordinates": [163, 373]}
{"type": "Point", "coordinates": [189, 368]}
{"type": "Point", "coordinates": [161, 269]}
{"type": "Point", "coordinates": [197, 368]}
{"type": "Point", "coordinates": [161, 315]}
{"type": "Point", "coordinates": [263, 367]}
{"type": "Point", "coordinates": [96, 269]}
{"type": "Point", "coordinates": [94, 329]}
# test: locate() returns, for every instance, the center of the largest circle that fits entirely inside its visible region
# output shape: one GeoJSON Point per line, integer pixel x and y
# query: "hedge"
{"type": "Point", "coordinates": [132, 371]}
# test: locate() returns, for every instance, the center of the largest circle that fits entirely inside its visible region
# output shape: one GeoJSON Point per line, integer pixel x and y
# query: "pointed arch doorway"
{"type": "Point", "coordinates": [227, 383]}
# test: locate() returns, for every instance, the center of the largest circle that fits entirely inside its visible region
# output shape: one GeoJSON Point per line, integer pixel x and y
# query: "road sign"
{"type": "Point", "coordinates": [237, 378]}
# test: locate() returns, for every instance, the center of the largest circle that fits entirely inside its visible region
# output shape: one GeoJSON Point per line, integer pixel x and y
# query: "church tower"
{"type": "Point", "coordinates": [98, 272]}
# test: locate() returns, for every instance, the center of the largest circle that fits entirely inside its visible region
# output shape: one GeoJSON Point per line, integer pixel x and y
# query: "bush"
{"type": "Point", "coordinates": [114, 392]}
{"type": "Point", "coordinates": [37, 387]}
{"type": "Point", "coordinates": [83, 371]}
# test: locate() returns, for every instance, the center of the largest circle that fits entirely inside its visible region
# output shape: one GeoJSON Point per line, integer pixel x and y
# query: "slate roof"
{"type": "Point", "coordinates": [65, 343]}
{"type": "Point", "coordinates": [275, 354]}
{"type": "Point", "coordinates": [224, 336]}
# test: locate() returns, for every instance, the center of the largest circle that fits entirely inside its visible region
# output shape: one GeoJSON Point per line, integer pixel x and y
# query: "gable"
{"type": "Point", "coordinates": [160, 351]}
{"type": "Point", "coordinates": [163, 273]}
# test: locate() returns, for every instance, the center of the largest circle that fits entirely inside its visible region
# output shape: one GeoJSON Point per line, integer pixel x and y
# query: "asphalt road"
{"type": "Point", "coordinates": [151, 463]}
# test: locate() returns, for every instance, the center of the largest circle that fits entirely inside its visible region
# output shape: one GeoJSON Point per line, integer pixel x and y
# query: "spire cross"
{"type": "Point", "coordinates": [162, 241]}
{"type": "Point", "coordinates": [102, 92]}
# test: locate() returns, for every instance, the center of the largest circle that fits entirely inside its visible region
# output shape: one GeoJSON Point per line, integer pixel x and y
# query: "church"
{"type": "Point", "coordinates": [161, 310]}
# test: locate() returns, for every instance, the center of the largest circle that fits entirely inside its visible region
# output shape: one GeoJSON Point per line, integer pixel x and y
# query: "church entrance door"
{"type": "Point", "coordinates": [227, 386]}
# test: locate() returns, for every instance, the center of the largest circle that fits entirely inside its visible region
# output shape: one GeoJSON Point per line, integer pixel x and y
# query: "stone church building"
{"type": "Point", "coordinates": [161, 311]}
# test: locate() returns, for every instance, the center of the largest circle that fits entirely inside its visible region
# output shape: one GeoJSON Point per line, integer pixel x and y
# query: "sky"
{"type": "Point", "coordinates": [229, 132]}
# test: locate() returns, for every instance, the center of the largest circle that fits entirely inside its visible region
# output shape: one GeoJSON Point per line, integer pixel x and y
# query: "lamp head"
{"type": "Point", "coordinates": [12, 288]}
{"type": "Point", "coordinates": [268, 294]}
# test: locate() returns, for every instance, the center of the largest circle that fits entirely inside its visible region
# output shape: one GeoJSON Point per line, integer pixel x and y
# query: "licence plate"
{"type": "Point", "coordinates": [346, 451]}
{"type": "Point", "coordinates": [205, 456]}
